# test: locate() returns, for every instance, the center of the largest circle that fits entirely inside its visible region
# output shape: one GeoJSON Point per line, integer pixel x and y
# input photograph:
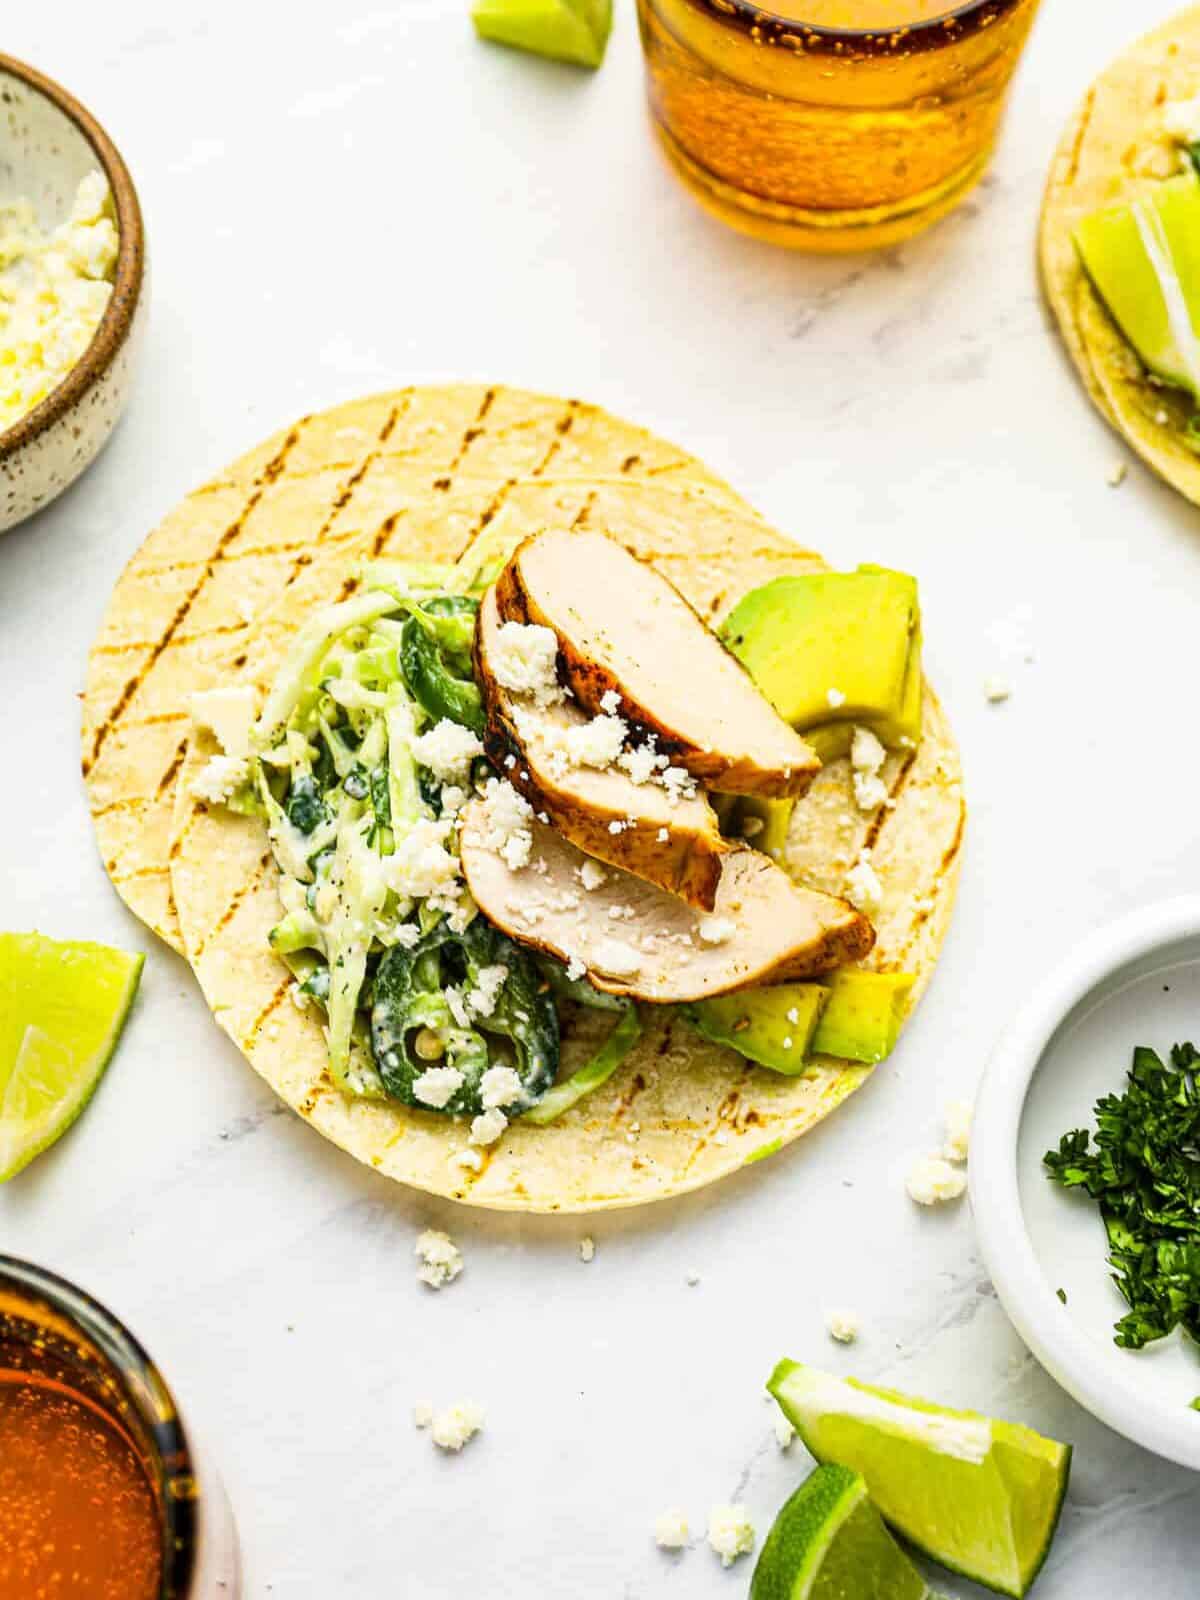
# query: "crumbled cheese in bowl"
{"type": "Point", "coordinates": [54, 289]}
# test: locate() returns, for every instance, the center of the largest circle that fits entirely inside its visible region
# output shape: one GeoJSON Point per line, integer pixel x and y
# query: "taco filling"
{"type": "Point", "coordinates": [488, 807]}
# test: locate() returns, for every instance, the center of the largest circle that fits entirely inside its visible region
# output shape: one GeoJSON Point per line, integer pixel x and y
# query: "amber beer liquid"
{"type": "Point", "coordinates": [830, 124]}
{"type": "Point", "coordinates": [102, 1495]}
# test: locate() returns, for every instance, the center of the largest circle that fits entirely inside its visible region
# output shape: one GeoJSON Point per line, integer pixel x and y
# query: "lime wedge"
{"type": "Point", "coordinates": [979, 1496]}
{"type": "Point", "coordinates": [62, 1008]}
{"type": "Point", "coordinates": [567, 30]}
{"type": "Point", "coordinates": [829, 1543]}
{"type": "Point", "coordinates": [1143, 258]}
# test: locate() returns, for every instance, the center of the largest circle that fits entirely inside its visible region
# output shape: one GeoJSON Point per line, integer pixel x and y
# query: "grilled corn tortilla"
{"type": "Point", "coordinates": [437, 463]}
{"type": "Point", "coordinates": [1113, 146]}
{"type": "Point", "coordinates": [681, 1112]}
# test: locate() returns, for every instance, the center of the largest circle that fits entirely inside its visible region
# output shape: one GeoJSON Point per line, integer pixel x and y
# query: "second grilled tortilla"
{"type": "Point", "coordinates": [681, 1112]}
{"type": "Point", "coordinates": [1111, 147]}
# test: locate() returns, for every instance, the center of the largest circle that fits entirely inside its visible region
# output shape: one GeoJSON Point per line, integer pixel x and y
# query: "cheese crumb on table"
{"type": "Point", "coordinates": [730, 1533]}
{"type": "Point", "coordinates": [843, 1325]}
{"type": "Point", "coordinates": [693, 1278]}
{"type": "Point", "coordinates": [932, 1181]}
{"type": "Point", "coordinates": [996, 689]}
{"type": "Point", "coordinates": [457, 1425]}
{"type": "Point", "coordinates": [1117, 474]}
{"type": "Point", "coordinates": [958, 1130]}
{"type": "Point", "coordinates": [587, 1248]}
{"type": "Point", "coordinates": [784, 1432]}
{"type": "Point", "coordinates": [422, 1414]}
{"type": "Point", "coordinates": [441, 1259]}
{"type": "Point", "coordinates": [671, 1530]}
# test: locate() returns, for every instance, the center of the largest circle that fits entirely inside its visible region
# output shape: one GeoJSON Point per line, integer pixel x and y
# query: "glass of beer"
{"type": "Point", "coordinates": [830, 124]}
{"type": "Point", "coordinates": [102, 1495]}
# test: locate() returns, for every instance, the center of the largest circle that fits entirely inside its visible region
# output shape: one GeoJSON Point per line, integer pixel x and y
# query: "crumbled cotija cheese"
{"type": "Point", "coordinates": [671, 1530]}
{"type": "Point", "coordinates": [437, 1086]}
{"type": "Point", "coordinates": [54, 290]}
{"type": "Point", "coordinates": [441, 1259]}
{"type": "Point", "coordinates": [422, 1414]}
{"type": "Point", "coordinates": [842, 1325]}
{"type": "Point", "coordinates": [784, 1432]}
{"type": "Point", "coordinates": [524, 660]}
{"type": "Point", "coordinates": [587, 1248]}
{"type": "Point", "coordinates": [457, 1425]}
{"type": "Point", "coordinates": [958, 1130]}
{"type": "Point", "coordinates": [447, 749]}
{"type": "Point", "coordinates": [834, 698]}
{"type": "Point", "coordinates": [867, 757]}
{"type": "Point", "coordinates": [219, 779]}
{"type": "Point", "coordinates": [717, 930]}
{"type": "Point", "coordinates": [592, 875]}
{"type": "Point", "coordinates": [506, 817]}
{"type": "Point", "coordinates": [862, 886]}
{"type": "Point", "coordinates": [500, 1087]}
{"type": "Point", "coordinates": [488, 1126]}
{"type": "Point", "coordinates": [730, 1533]}
{"type": "Point", "coordinates": [421, 867]}
{"type": "Point", "coordinates": [932, 1181]}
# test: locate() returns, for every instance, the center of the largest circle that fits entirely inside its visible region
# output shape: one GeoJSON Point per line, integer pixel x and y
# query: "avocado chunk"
{"type": "Point", "coordinates": [1143, 258]}
{"type": "Point", "coordinates": [863, 1014]}
{"type": "Point", "coordinates": [835, 650]}
{"type": "Point", "coordinates": [853, 1014]}
{"type": "Point", "coordinates": [760, 821]}
{"type": "Point", "coordinates": [771, 1026]}
{"type": "Point", "coordinates": [566, 30]}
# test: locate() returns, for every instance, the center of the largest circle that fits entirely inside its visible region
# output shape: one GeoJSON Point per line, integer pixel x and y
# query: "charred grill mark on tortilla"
{"type": "Point", "coordinates": [246, 887]}
{"type": "Point", "coordinates": [117, 711]}
{"type": "Point", "coordinates": [470, 434]}
{"type": "Point", "coordinates": [561, 429]}
{"type": "Point", "coordinates": [266, 1012]}
{"type": "Point", "coordinates": [1085, 119]}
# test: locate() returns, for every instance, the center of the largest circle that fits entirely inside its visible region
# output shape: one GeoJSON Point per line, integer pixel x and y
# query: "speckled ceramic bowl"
{"type": "Point", "coordinates": [48, 143]}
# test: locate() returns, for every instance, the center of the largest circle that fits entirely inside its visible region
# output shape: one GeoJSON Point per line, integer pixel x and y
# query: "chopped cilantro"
{"type": "Point", "coordinates": [1062, 1295]}
{"type": "Point", "coordinates": [1144, 1171]}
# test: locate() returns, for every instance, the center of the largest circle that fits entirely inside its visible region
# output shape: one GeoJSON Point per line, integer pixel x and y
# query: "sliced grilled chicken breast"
{"type": "Point", "coordinates": [635, 939]}
{"type": "Point", "coordinates": [623, 629]}
{"type": "Point", "coordinates": [669, 839]}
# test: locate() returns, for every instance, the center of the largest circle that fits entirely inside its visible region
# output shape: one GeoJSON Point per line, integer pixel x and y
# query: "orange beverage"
{"type": "Point", "coordinates": [830, 124]}
{"type": "Point", "coordinates": [101, 1495]}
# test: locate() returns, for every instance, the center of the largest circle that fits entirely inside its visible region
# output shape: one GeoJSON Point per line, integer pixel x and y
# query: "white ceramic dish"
{"type": "Point", "coordinates": [50, 143]}
{"type": "Point", "coordinates": [1137, 982]}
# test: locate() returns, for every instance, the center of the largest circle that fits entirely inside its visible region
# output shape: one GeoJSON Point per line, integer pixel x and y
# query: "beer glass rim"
{"type": "Point", "coordinates": [926, 34]}
{"type": "Point", "coordinates": [147, 1393]}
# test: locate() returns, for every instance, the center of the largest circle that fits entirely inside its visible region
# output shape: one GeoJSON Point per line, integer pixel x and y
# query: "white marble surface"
{"type": "Point", "coordinates": [343, 198]}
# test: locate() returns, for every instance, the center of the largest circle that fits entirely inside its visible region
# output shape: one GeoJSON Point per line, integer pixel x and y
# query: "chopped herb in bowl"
{"type": "Point", "coordinates": [1142, 1166]}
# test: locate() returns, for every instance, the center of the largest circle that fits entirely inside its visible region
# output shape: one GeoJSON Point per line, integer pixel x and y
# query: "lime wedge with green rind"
{"type": "Point", "coordinates": [979, 1496]}
{"type": "Point", "coordinates": [566, 30]}
{"type": "Point", "coordinates": [62, 1009]}
{"type": "Point", "coordinates": [829, 1543]}
{"type": "Point", "coordinates": [1143, 258]}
